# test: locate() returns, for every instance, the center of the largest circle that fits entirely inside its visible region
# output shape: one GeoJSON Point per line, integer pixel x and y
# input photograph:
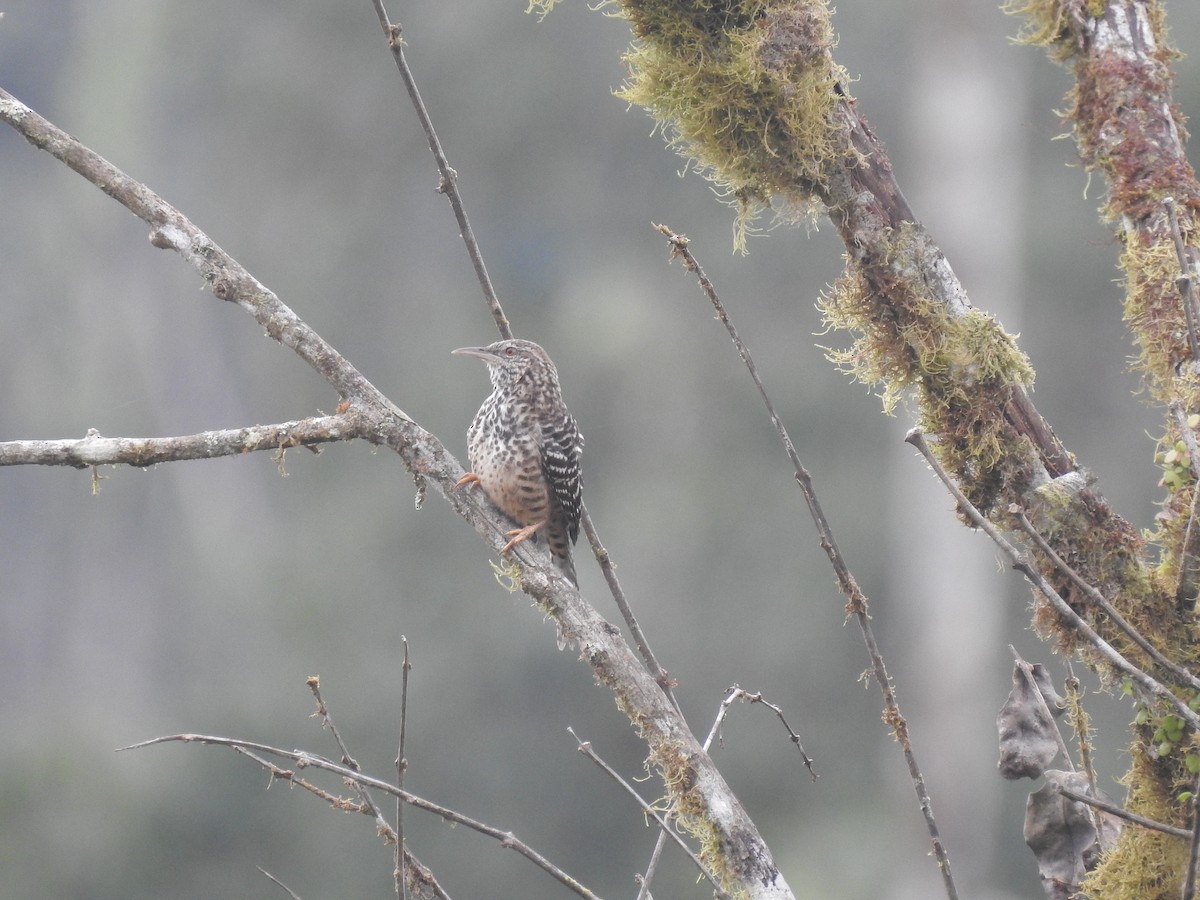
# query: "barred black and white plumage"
{"type": "Point", "coordinates": [525, 448]}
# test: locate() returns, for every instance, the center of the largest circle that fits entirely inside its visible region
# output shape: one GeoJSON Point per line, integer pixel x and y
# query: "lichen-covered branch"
{"type": "Point", "coordinates": [752, 92]}
{"type": "Point", "coordinates": [1127, 129]}
{"type": "Point", "coordinates": [96, 450]}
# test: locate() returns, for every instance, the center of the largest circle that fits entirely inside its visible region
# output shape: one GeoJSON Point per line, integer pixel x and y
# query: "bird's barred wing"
{"type": "Point", "coordinates": [562, 450]}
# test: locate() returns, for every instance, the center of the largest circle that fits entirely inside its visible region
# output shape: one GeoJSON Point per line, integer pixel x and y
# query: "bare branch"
{"type": "Point", "coordinates": [609, 571]}
{"type": "Point", "coordinates": [291, 893]}
{"type": "Point", "coordinates": [96, 450]}
{"type": "Point", "coordinates": [1080, 722]}
{"type": "Point", "coordinates": [308, 760]}
{"type": "Point", "coordinates": [1189, 881]}
{"type": "Point", "coordinates": [1122, 813]}
{"type": "Point", "coordinates": [385, 828]}
{"type": "Point", "coordinates": [856, 600]}
{"type": "Point", "coordinates": [401, 769]}
{"type": "Point", "coordinates": [449, 181]}
{"type": "Point", "coordinates": [737, 693]}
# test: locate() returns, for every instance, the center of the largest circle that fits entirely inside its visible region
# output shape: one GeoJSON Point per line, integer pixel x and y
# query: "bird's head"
{"type": "Point", "coordinates": [512, 361]}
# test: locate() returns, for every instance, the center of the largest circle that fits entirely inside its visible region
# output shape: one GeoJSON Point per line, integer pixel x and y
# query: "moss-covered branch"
{"type": "Point", "coordinates": [1127, 129]}
{"type": "Point", "coordinates": [750, 91]}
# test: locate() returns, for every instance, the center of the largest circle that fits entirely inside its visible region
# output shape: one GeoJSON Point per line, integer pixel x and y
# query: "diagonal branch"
{"type": "Point", "coordinates": [361, 781]}
{"type": "Point", "coordinates": [735, 851]}
{"type": "Point", "coordinates": [1021, 563]}
{"type": "Point", "coordinates": [856, 600]}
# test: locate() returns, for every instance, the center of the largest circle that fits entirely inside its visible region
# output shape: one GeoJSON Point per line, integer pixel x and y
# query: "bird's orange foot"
{"type": "Point", "coordinates": [520, 534]}
{"type": "Point", "coordinates": [469, 478]}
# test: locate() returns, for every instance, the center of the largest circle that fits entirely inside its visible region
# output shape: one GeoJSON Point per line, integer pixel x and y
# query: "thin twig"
{"type": "Point", "coordinates": [449, 180]}
{"type": "Point", "coordinates": [314, 684]}
{"type": "Point", "coordinates": [1185, 282]}
{"type": "Point", "coordinates": [1125, 814]}
{"type": "Point", "coordinates": [1022, 564]}
{"type": "Point", "coordinates": [401, 769]}
{"type": "Point", "coordinates": [1189, 548]}
{"type": "Point", "coordinates": [614, 585]}
{"type": "Point", "coordinates": [308, 760]}
{"type": "Point", "coordinates": [737, 693]}
{"type": "Point", "coordinates": [1189, 883]}
{"type": "Point", "coordinates": [291, 893]}
{"type": "Point", "coordinates": [856, 600]}
{"type": "Point", "coordinates": [585, 747]}
{"type": "Point", "coordinates": [1079, 721]}
{"type": "Point", "coordinates": [1094, 595]}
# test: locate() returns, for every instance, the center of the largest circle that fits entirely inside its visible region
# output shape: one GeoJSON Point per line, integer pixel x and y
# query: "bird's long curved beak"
{"type": "Point", "coordinates": [481, 352]}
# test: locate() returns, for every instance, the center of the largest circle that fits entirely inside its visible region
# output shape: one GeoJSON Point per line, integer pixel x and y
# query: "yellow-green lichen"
{"type": "Point", "coordinates": [1142, 862]}
{"type": "Point", "coordinates": [1155, 314]}
{"type": "Point", "coordinates": [961, 363]}
{"type": "Point", "coordinates": [1046, 24]}
{"type": "Point", "coordinates": [744, 90]}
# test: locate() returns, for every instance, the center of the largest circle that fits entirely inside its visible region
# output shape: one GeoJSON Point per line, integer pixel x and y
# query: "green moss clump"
{"type": "Point", "coordinates": [1045, 25]}
{"type": "Point", "coordinates": [960, 362]}
{"type": "Point", "coordinates": [1138, 865]}
{"type": "Point", "coordinates": [746, 91]}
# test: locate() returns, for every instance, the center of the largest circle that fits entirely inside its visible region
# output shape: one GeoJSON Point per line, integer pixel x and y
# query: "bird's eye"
{"type": "Point", "coordinates": [510, 351]}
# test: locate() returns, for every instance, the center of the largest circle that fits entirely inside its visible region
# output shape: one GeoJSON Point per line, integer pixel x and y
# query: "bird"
{"type": "Point", "coordinates": [525, 448]}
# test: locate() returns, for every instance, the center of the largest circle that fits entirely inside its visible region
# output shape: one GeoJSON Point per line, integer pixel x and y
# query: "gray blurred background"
{"type": "Point", "coordinates": [198, 596]}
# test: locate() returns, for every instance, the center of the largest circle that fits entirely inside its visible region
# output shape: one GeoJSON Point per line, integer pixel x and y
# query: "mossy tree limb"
{"type": "Point", "coordinates": [1127, 129]}
{"type": "Point", "coordinates": [751, 93]}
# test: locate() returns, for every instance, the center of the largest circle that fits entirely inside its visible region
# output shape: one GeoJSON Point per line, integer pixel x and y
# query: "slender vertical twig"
{"type": "Point", "coordinates": [614, 585]}
{"type": "Point", "coordinates": [1189, 883]}
{"type": "Point", "coordinates": [1079, 721]}
{"type": "Point", "coordinates": [401, 769]}
{"type": "Point", "coordinates": [856, 600]}
{"type": "Point", "coordinates": [449, 180]}
{"type": "Point", "coordinates": [1189, 548]}
{"type": "Point", "coordinates": [1185, 282]}
{"type": "Point", "coordinates": [385, 827]}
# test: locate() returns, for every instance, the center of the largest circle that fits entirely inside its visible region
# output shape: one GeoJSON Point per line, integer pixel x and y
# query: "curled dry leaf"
{"type": "Point", "coordinates": [1062, 833]}
{"type": "Point", "coordinates": [1028, 737]}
